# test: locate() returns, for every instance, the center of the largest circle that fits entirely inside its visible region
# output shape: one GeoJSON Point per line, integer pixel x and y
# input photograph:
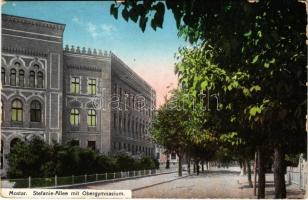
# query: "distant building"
{"type": "Point", "coordinates": [86, 96]}
{"type": "Point", "coordinates": [163, 156]}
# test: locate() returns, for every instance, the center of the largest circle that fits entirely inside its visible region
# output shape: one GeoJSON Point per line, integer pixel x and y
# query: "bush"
{"type": "Point", "coordinates": [145, 163]}
{"type": "Point", "coordinates": [125, 163]}
{"type": "Point", "coordinates": [38, 159]}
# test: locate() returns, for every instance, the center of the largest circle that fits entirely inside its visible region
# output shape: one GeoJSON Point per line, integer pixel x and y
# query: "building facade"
{"type": "Point", "coordinates": [69, 94]}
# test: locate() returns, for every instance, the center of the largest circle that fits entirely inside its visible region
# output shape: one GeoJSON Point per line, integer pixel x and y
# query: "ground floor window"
{"type": "Point", "coordinates": [92, 145]}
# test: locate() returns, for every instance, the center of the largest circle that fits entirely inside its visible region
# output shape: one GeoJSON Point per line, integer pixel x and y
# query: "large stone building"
{"type": "Point", "coordinates": [79, 95]}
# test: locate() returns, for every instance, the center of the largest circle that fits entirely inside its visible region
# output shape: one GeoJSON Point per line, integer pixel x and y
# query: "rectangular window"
{"type": "Point", "coordinates": [91, 119]}
{"type": "Point", "coordinates": [92, 145]}
{"type": "Point", "coordinates": [75, 142]}
{"type": "Point", "coordinates": [92, 86]}
{"type": "Point", "coordinates": [75, 85]}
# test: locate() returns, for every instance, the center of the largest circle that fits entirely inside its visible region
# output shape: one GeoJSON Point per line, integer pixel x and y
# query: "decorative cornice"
{"type": "Point", "coordinates": [82, 67]}
{"type": "Point", "coordinates": [23, 51]}
{"type": "Point", "coordinates": [85, 51]}
{"type": "Point", "coordinates": [33, 22]}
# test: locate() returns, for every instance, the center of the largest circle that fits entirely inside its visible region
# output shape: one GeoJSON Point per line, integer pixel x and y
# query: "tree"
{"type": "Point", "coordinates": [264, 41]}
{"type": "Point", "coordinates": [168, 127]}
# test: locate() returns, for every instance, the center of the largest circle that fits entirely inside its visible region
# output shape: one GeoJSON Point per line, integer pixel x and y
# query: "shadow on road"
{"type": "Point", "coordinates": [215, 173]}
{"type": "Point", "coordinates": [290, 193]}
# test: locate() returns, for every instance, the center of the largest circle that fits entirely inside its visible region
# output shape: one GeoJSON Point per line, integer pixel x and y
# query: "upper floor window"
{"type": "Point", "coordinates": [75, 85]}
{"type": "Point", "coordinates": [124, 123]}
{"type": "Point", "coordinates": [92, 86]}
{"type": "Point", "coordinates": [32, 79]}
{"type": "Point", "coordinates": [120, 122]}
{"type": "Point", "coordinates": [35, 111]}
{"type": "Point", "coordinates": [115, 88]}
{"type": "Point", "coordinates": [3, 76]}
{"type": "Point", "coordinates": [128, 124]}
{"type": "Point", "coordinates": [129, 99]}
{"type": "Point", "coordinates": [13, 77]}
{"type": "Point", "coordinates": [74, 117]}
{"type": "Point", "coordinates": [91, 118]}
{"type": "Point", "coordinates": [114, 120]}
{"type": "Point", "coordinates": [120, 94]}
{"type": "Point", "coordinates": [21, 78]}
{"type": "Point", "coordinates": [2, 112]}
{"type": "Point", "coordinates": [17, 110]}
{"type": "Point", "coordinates": [40, 80]}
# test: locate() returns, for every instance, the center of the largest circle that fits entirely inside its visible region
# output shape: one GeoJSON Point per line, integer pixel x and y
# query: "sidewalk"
{"type": "Point", "coordinates": [293, 191]}
{"type": "Point", "coordinates": [213, 184]}
{"type": "Point", "coordinates": [137, 183]}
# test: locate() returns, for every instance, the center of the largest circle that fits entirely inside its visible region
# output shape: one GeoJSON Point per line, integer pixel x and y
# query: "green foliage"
{"type": "Point", "coordinates": [253, 56]}
{"type": "Point", "coordinates": [38, 159]}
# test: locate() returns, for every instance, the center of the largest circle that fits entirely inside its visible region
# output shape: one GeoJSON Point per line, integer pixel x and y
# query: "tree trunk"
{"type": "Point", "coordinates": [180, 165]}
{"type": "Point", "coordinates": [244, 168]}
{"type": "Point", "coordinates": [249, 173]}
{"type": "Point", "coordinates": [207, 165]}
{"type": "Point", "coordinates": [241, 167]}
{"type": "Point", "coordinates": [279, 171]}
{"type": "Point", "coordinates": [202, 165]}
{"type": "Point", "coordinates": [197, 167]}
{"type": "Point", "coordinates": [188, 165]}
{"type": "Point", "coordinates": [168, 164]}
{"type": "Point", "coordinates": [255, 174]}
{"type": "Point", "coordinates": [261, 181]}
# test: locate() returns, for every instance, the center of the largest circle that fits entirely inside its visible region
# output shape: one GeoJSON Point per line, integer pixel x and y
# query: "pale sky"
{"type": "Point", "coordinates": [149, 54]}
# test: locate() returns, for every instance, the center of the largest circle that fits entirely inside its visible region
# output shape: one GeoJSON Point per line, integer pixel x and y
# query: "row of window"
{"type": "Point", "coordinates": [17, 78]}
{"type": "Point", "coordinates": [133, 101]}
{"type": "Point", "coordinates": [17, 111]}
{"type": "Point", "coordinates": [75, 86]}
{"type": "Point", "coordinates": [75, 117]}
{"type": "Point", "coordinates": [91, 144]}
{"type": "Point", "coordinates": [128, 124]}
{"type": "Point", "coordinates": [132, 148]}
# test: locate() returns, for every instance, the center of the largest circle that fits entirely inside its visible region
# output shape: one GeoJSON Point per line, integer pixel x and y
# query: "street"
{"type": "Point", "coordinates": [211, 184]}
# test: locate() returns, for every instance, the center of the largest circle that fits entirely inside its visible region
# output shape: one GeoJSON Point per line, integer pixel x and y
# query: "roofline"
{"type": "Point", "coordinates": [39, 20]}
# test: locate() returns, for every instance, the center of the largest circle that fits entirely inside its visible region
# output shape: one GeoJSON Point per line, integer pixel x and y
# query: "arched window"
{"type": "Point", "coordinates": [17, 110]}
{"type": "Point", "coordinates": [40, 80]}
{"type": "Point", "coordinates": [91, 118]}
{"type": "Point", "coordinates": [74, 117]}
{"type": "Point", "coordinates": [13, 77]}
{"type": "Point", "coordinates": [32, 79]}
{"type": "Point", "coordinates": [35, 111]}
{"type": "Point", "coordinates": [3, 76]}
{"type": "Point", "coordinates": [21, 81]}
